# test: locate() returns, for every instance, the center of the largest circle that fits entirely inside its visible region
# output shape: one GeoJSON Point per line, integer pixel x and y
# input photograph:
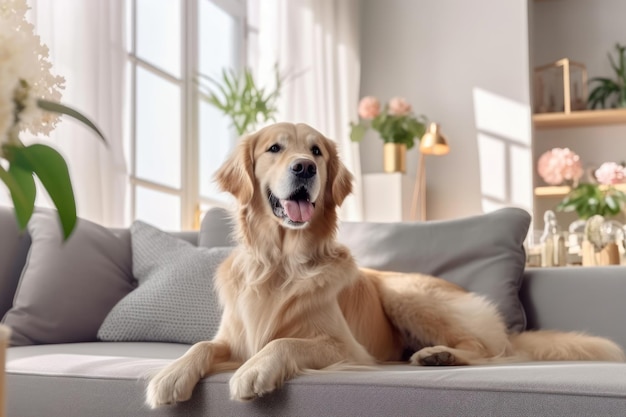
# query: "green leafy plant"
{"type": "Point", "coordinates": [607, 87]}
{"type": "Point", "coordinates": [29, 101]}
{"type": "Point", "coordinates": [588, 200]}
{"type": "Point", "coordinates": [239, 97]}
{"type": "Point", "coordinates": [396, 123]}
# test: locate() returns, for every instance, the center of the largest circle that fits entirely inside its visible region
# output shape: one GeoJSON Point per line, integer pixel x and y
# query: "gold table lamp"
{"type": "Point", "coordinates": [432, 143]}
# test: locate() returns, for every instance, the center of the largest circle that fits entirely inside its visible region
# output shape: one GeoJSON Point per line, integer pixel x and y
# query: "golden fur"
{"type": "Point", "coordinates": [294, 299]}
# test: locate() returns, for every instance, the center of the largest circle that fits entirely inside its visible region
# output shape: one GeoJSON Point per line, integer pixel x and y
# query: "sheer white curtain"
{"type": "Point", "coordinates": [86, 42]}
{"type": "Point", "coordinates": [317, 43]}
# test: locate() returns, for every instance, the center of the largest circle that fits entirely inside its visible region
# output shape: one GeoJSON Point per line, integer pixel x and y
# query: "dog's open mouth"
{"type": "Point", "coordinates": [298, 208]}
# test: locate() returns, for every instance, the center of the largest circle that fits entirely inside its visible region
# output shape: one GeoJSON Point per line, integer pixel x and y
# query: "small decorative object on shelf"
{"type": "Point", "coordinates": [560, 165]}
{"type": "Point", "coordinates": [613, 90]}
{"type": "Point", "coordinates": [600, 244]}
{"type": "Point", "coordinates": [532, 245]}
{"type": "Point", "coordinates": [560, 86]}
{"type": "Point", "coordinates": [575, 238]}
{"type": "Point", "coordinates": [598, 196]}
{"type": "Point", "coordinates": [396, 124]}
{"type": "Point", "coordinates": [553, 251]}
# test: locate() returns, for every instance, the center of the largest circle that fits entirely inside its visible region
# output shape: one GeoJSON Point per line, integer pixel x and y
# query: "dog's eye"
{"type": "Point", "coordinates": [274, 148]}
{"type": "Point", "coordinates": [316, 151]}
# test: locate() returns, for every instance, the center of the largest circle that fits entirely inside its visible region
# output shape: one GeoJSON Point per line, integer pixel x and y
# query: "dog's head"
{"type": "Point", "coordinates": [293, 171]}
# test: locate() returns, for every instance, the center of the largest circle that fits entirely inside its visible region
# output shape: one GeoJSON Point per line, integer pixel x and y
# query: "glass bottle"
{"type": "Point", "coordinates": [552, 242]}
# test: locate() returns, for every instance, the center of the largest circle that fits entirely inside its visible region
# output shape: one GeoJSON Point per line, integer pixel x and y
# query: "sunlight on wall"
{"type": "Point", "coordinates": [505, 151]}
{"type": "Point", "coordinates": [493, 172]}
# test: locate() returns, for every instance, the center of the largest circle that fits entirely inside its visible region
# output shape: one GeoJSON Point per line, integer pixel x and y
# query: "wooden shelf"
{"type": "Point", "coordinates": [579, 118]}
{"type": "Point", "coordinates": [563, 190]}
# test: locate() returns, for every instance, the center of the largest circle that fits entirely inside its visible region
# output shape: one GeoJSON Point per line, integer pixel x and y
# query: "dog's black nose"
{"type": "Point", "coordinates": [303, 168]}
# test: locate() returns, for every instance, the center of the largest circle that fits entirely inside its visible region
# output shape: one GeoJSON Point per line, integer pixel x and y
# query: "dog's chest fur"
{"type": "Point", "coordinates": [278, 301]}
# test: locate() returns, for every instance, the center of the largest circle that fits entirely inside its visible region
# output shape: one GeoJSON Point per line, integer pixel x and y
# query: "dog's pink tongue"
{"type": "Point", "coordinates": [298, 211]}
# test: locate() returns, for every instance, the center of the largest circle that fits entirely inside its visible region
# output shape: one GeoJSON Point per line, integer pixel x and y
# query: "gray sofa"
{"type": "Point", "coordinates": [61, 365]}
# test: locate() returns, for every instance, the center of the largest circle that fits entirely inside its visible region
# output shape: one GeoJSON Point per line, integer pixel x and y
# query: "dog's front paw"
{"type": "Point", "coordinates": [433, 356]}
{"type": "Point", "coordinates": [171, 385]}
{"type": "Point", "coordinates": [253, 381]}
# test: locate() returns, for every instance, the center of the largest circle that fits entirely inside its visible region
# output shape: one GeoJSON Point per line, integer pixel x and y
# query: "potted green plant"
{"type": "Point", "coordinates": [396, 124]}
{"type": "Point", "coordinates": [607, 88]}
{"type": "Point", "coordinates": [238, 96]}
{"type": "Point", "coordinates": [593, 199]}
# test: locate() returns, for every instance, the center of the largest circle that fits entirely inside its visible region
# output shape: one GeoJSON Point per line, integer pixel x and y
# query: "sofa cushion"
{"type": "Point", "coordinates": [67, 288]}
{"type": "Point", "coordinates": [483, 253]}
{"type": "Point", "coordinates": [108, 380]}
{"type": "Point", "coordinates": [13, 251]}
{"type": "Point", "coordinates": [175, 300]}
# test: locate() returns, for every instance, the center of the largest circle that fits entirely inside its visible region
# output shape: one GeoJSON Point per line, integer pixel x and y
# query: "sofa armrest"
{"type": "Point", "coordinates": [587, 299]}
{"type": "Point", "coordinates": [13, 252]}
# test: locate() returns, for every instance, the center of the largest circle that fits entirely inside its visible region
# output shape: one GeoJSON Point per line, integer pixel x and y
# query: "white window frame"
{"type": "Point", "coordinates": [189, 191]}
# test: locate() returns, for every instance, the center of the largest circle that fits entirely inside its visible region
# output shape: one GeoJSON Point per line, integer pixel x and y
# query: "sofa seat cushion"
{"type": "Point", "coordinates": [92, 375]}
{"type": "Point", "coordinates": [122, 349]}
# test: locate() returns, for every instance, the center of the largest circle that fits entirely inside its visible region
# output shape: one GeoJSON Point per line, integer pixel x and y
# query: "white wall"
{"type": "Point", "coordinates": [445, 57]}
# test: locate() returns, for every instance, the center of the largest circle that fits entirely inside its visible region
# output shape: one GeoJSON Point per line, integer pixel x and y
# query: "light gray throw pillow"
{"type": "Point", "coordinates": [175, 300]}
{"type": "Point", "coordinates": [482, 253]}
{"type": "Point", "coordinates": [67, 288]}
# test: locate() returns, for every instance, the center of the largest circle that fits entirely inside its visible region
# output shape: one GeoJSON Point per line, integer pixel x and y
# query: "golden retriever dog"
{"type": "Point", "coordinates": [294, 299]}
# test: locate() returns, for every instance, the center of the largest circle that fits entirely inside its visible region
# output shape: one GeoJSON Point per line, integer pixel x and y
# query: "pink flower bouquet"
{"type": "Point", "coordinates": [597, 197]}
{"type": "Point", "coordinates": [559, 165]}
{"type": "Point", "coordinates": [610, 173]}
{"type": "Point", "coordinates": [395, 123]}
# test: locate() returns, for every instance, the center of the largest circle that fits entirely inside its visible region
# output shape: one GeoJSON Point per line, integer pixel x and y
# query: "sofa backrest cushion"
{"type": "Point", "coordinates": [67, 288]}
{"type": "Point", "coordinates": [482, 253]}
{"type": "Point", "coordinates": [175, 300]}
{"type": "Point", "coordinates": [14, 246]}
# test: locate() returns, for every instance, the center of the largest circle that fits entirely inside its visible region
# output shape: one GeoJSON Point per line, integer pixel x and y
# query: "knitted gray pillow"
{"type": "Point", "coordinates": [175, 300]}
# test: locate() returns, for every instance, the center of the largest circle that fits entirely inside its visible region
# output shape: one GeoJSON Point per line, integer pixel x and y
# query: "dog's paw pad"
{"type": "Point", "coordinates": [433, 357]}
{"type": "Point", "coordinates": [438, 359]}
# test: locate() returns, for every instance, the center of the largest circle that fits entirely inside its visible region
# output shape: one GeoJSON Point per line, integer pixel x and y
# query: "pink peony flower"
{"type": "Point", "coordinates": [369, 107]}
{"type": "Point", "coordinates": [558, 165]}
{"type": "Point", "coordinates": [610, 173]}
{"type": "Point", "coordinates": [398, 106]}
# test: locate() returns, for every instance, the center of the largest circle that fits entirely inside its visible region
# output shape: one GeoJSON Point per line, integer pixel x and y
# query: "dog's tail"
{"type": "Point", "coordinates": [547, 345]}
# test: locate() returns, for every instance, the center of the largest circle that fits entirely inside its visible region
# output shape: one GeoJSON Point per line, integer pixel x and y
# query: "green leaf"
{"type": "Point", "coordinates": [51, 169]}
{"type": "Point", "coordinates": [611, 203]}
{"type": "Point", "coordinates": [60, 108]}
{"type": "Point", "coordinates": [357, 133]}
{"type": "Point", "coordinates": [26, 183]}
{"type": "Point", "coordinates": [19, 197]}
{"type": "Point", "coordinates": [243, 101]}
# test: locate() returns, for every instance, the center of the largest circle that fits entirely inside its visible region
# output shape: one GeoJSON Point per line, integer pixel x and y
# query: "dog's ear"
{"type": "Point", "coordinates": [339, 178]}
{"type": "Point", "coordinates": [236, 175]}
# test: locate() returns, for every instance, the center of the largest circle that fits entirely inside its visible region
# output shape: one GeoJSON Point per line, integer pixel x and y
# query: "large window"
{"type": "Point", "coordinates": [175, 140]}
